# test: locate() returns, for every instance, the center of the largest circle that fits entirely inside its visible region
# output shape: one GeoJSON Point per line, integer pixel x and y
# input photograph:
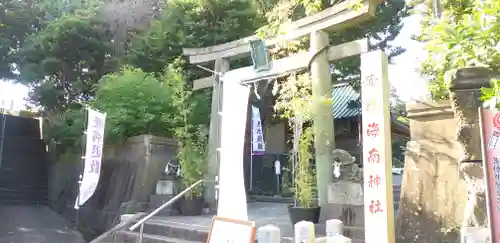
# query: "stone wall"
{"type": "Point", "coordinates": [128, 177]}
{"type": "Point", "coordinates": [433, 195]}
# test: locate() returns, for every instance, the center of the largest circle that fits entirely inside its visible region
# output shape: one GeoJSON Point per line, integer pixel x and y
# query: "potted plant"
{"type": "Point", "coordinates": [191, 138]}
{"type": "Point", "coordinates": [192, 169]}
{"type": "Point", "coordinates": [305, 206]}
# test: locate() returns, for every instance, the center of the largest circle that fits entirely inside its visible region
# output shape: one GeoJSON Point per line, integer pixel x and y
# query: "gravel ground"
{"type": "Point", "coordinates": [35, 224]}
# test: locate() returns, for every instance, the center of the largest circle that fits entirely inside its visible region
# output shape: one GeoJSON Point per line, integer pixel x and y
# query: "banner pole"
{"type": "Point", "coordinates": [82, 165]}
{"type": "Point", "coordinates": [3, 121]}
{"type": "Point", "coordinates": [251, 150]}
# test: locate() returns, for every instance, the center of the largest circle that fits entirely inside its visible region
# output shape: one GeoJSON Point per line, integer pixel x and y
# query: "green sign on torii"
{"type": "Point", "coordinates": [260, 56]}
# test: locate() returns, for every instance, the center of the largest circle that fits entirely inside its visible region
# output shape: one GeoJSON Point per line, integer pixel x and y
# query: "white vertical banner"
{"type": "Point", "coordinates": [93, 155]}
{"type": "Point", "coordinates": [377, 154]}
{"type": "Point", "coordinates": [258, 145]}
{"type": "Point", "coordinates": [232, 201]}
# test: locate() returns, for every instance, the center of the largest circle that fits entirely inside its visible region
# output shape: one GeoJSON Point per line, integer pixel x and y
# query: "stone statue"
{"type": "Point", "coordinates": [345, 168]}
{"type": "Point", "coordinates": [172, 169]}
{"type": "Point", "coordinates": [346, 188]}
{"type": "Point", "coordinates": [464, 97]}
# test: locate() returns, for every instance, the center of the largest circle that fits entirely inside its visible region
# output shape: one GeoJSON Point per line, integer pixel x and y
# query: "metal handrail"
{"type": "Point", "coordinates": [118, 227]}
{"type": "Point", "coordinates": [157, 210]}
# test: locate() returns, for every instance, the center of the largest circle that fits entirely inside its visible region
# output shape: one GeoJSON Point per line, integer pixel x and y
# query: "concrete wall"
{"type": "Point", "coordinates": [128, 177]}
{"type": "Point", "coordinates": [433, 196]}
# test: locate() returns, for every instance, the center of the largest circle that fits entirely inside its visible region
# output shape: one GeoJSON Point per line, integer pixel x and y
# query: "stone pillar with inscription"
{"type": "Point", "coordinates": [377, 153]}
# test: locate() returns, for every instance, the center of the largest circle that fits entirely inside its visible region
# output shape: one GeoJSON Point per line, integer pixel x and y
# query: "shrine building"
{"type": "Point", "coordinates": [278, 140]}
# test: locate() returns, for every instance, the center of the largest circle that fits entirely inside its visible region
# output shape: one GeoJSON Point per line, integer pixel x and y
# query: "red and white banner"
{"type": "Point", "coordinates": [491, 129]}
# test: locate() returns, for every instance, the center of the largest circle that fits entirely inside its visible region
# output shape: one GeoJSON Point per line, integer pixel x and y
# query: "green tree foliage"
{"type": "Point", "coordinates": [187, 23]}
{"type": "Point", "coordinates": [135, 103]}
{"type": "Point", "coordinates": [304, 175]}
{"type": "Point", "coordinates": [192, 158]}
{"type": "Point", "coordinates": [465, 35]}
{"type": "Point", "coordinates": [192, 136]}
{"type": "Point", "coordinates": [64, 61]}
{"type": "Point", "coordinates": [71, 52]}
{"type": "Point", "coordinates": [54, 9]}
{"type": "Point", "coordinates": [380, 30]}
{"type": "Point", "coordinates": [18, 19]}
{"type": "Point", "coordinates": [491, 95]}
{"type": "Point", "coordinates": [64, 128]}
{"type": "Point", "coordinates": [398, 152]}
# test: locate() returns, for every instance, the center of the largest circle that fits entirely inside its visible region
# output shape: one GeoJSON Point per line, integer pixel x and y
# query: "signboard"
{"type": "Point", "coordinates": [377, 154]}
{"type": "Point", "coordinates": [224, 230]}
{"type": "Point", "coordinates": [93, 155]}
{"type": "Point", "coordinates": [258, 146]}
{"type": "Point", "coordinates": [490, 120]}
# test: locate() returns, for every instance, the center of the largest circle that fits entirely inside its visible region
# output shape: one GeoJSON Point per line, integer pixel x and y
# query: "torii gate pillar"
{"type": "Point", "coordinates": [324, 139]}
{"type": "Point", "coordinates": [210, 193]}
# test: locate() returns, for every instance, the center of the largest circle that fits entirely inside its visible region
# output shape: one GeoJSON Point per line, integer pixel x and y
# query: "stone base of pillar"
{"type": "Point", "coordinates": [475, 235]}
{"type": "Point", "coordinates": [210, 197]}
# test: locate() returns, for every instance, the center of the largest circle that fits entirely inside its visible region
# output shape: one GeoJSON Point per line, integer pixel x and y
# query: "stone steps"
{"type": "Point", "coordinates": [164, 232]}
{"type": "Point", "coordinates": [24, 195]}
{"type": "Point", "coordinates": [132, 237]}
{"type": "Point", "coordinates": [191, 233]}
{"type": "Point", "coordinates": [355, 232]}
{"type": "Point", "coordinates": [21, 190]}
{"type": "Point", "coordinates": [188, 229]}
{"type": "Point", "coordinates": [170, 232]}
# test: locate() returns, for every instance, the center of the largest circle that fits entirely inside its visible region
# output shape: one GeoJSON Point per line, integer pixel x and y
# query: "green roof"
{"type": "Point", "coordinates": [347, 104]}
{"type": "Point", "coordinates": [346, 101]}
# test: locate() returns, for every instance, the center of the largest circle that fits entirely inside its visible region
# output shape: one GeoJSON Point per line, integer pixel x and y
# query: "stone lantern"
{"type": "Point", "coordinates": [465, 91]}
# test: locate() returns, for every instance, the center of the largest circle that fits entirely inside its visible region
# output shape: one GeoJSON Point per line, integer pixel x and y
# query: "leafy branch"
{"type": "Point", "coordinates": [304, 174]}
{"type": "Point", "coordinates": [466, 35]}
{"type": "Point", "coordinates": [192, 138]}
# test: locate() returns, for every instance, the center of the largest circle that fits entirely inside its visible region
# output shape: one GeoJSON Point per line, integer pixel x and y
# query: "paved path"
{"type": "Point", "coordinates": [32, 224]}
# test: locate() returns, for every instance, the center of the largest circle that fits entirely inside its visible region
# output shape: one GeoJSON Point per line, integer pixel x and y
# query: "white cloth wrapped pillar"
{"type": "Point", "coordinates": [232, 197]}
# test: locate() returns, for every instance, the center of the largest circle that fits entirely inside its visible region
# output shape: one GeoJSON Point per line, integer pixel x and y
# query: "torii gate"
{"type": "Point", "coordinates": [226, 165]}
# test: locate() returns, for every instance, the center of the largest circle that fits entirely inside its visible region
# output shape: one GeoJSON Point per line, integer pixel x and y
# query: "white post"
{"type": "Point", "coordinates": [268, 234]}
{"type": "Point", "coordinates": [232, 201]}
{"type": "Point", "coordinates": [334, 227]}
{"type": "Point", "coordinates": [304, 232]}
{"type": "Point", "coordinates": [377, 154]}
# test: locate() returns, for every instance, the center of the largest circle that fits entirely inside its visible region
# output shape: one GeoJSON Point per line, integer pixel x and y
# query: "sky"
{"type": "Point", "coordinates": [402, 74]}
